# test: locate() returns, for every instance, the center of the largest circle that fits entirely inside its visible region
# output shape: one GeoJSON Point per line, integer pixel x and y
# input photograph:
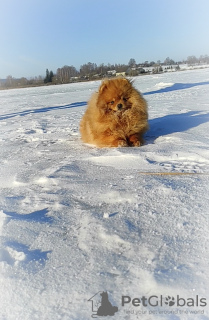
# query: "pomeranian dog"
{"type": "Point", "coordinates": [116, 116]}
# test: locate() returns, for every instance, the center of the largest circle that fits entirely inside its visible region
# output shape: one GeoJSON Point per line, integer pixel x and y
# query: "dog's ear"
{"type": "Point", "coordinates": [103, 86]}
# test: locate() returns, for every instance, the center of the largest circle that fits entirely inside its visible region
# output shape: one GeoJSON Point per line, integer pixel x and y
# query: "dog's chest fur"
{"type": "Point", "coordinates": [123, 120]}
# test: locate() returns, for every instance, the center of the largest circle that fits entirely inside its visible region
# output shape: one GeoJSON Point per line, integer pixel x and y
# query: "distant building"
{"type": "Point", "coordinates": [120, 74]}
{"type": "Point", "coordinates": [132, 71]}
{"type": "Point", "coordinates": [111, 72]}
{"type": "Point", "coordinates": [148, 69]}
{"type": "Point", "coordinates": [74, 78]}
{"type": "Point", "coordinates": [141, 70]}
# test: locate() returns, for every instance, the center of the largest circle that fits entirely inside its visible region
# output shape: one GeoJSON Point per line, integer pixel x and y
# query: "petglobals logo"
{"type": "Point", "coordinates": [101, 306]}
{"type": "Point", "coordinates": [160, 301]}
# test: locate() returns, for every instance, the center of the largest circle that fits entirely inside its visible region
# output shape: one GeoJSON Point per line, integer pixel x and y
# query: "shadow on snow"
{"type": "Point", "coordinates": [33, 258]}
{"type": "Point", "coordinates": [40, 110]}
{"type": "Point", "coordinates": [30, 254]}
{"type": "Point", "coordinates": [37, 216]}
{"type": "Point", "coordinates": [177, 86]}
{"type": "Point", "coordinates": [176, 123]}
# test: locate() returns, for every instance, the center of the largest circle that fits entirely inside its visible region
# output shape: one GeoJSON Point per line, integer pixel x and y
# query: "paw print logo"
{"type": "Point", "coordinates": [170, 301]}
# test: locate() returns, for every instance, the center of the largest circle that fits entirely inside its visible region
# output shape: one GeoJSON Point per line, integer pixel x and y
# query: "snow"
{"type": "Point", "coordinates": [76, 220]}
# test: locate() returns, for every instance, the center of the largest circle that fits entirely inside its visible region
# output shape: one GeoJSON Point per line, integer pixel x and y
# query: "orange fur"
{"type": "Point", "coordinates": [116, 116]}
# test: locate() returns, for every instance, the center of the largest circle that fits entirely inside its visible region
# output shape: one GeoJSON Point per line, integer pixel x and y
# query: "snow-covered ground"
{"type": "Point", "coordinates": [76, 220]}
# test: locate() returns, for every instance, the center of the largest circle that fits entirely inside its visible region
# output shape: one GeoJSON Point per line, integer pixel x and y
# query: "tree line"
{"type": "Point", "coordinates": [90, 71]}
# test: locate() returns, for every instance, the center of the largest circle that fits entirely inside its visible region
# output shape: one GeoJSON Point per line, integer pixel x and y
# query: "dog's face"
{"type": "Point", "coordinates": [114, 95]}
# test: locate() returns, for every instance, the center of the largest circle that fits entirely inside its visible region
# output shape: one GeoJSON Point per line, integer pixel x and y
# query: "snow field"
{"type": "Point", "coordinates": [75, 220]}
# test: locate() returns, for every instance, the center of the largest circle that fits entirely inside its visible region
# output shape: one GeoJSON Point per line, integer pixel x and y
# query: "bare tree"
{"type": "Point", "coordinates": [132, 62]}
{"type": "Point", "coordinates": [192, 60]}
{"type": "Point", "coordinates": [65, 73]}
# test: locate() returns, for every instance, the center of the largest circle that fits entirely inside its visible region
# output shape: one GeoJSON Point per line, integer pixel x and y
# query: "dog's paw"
{"type": "Point", "coordinates": [122, 143]}
{"type": "Point", "coordinates": [135, 141]}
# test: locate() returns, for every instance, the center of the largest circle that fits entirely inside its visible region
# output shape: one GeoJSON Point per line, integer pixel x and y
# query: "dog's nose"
{"type": "Point", "coordinates": [120, 106]}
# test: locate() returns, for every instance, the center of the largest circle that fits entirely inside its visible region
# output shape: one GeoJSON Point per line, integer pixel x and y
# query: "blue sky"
{"type": "Point", "coordinates": [40, 34]}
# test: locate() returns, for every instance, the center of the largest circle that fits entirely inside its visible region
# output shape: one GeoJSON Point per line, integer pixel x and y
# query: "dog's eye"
{"type": "Point", "coordinates": [112, 102]}
{"type": "Point", "coordinates": [125, 99]}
